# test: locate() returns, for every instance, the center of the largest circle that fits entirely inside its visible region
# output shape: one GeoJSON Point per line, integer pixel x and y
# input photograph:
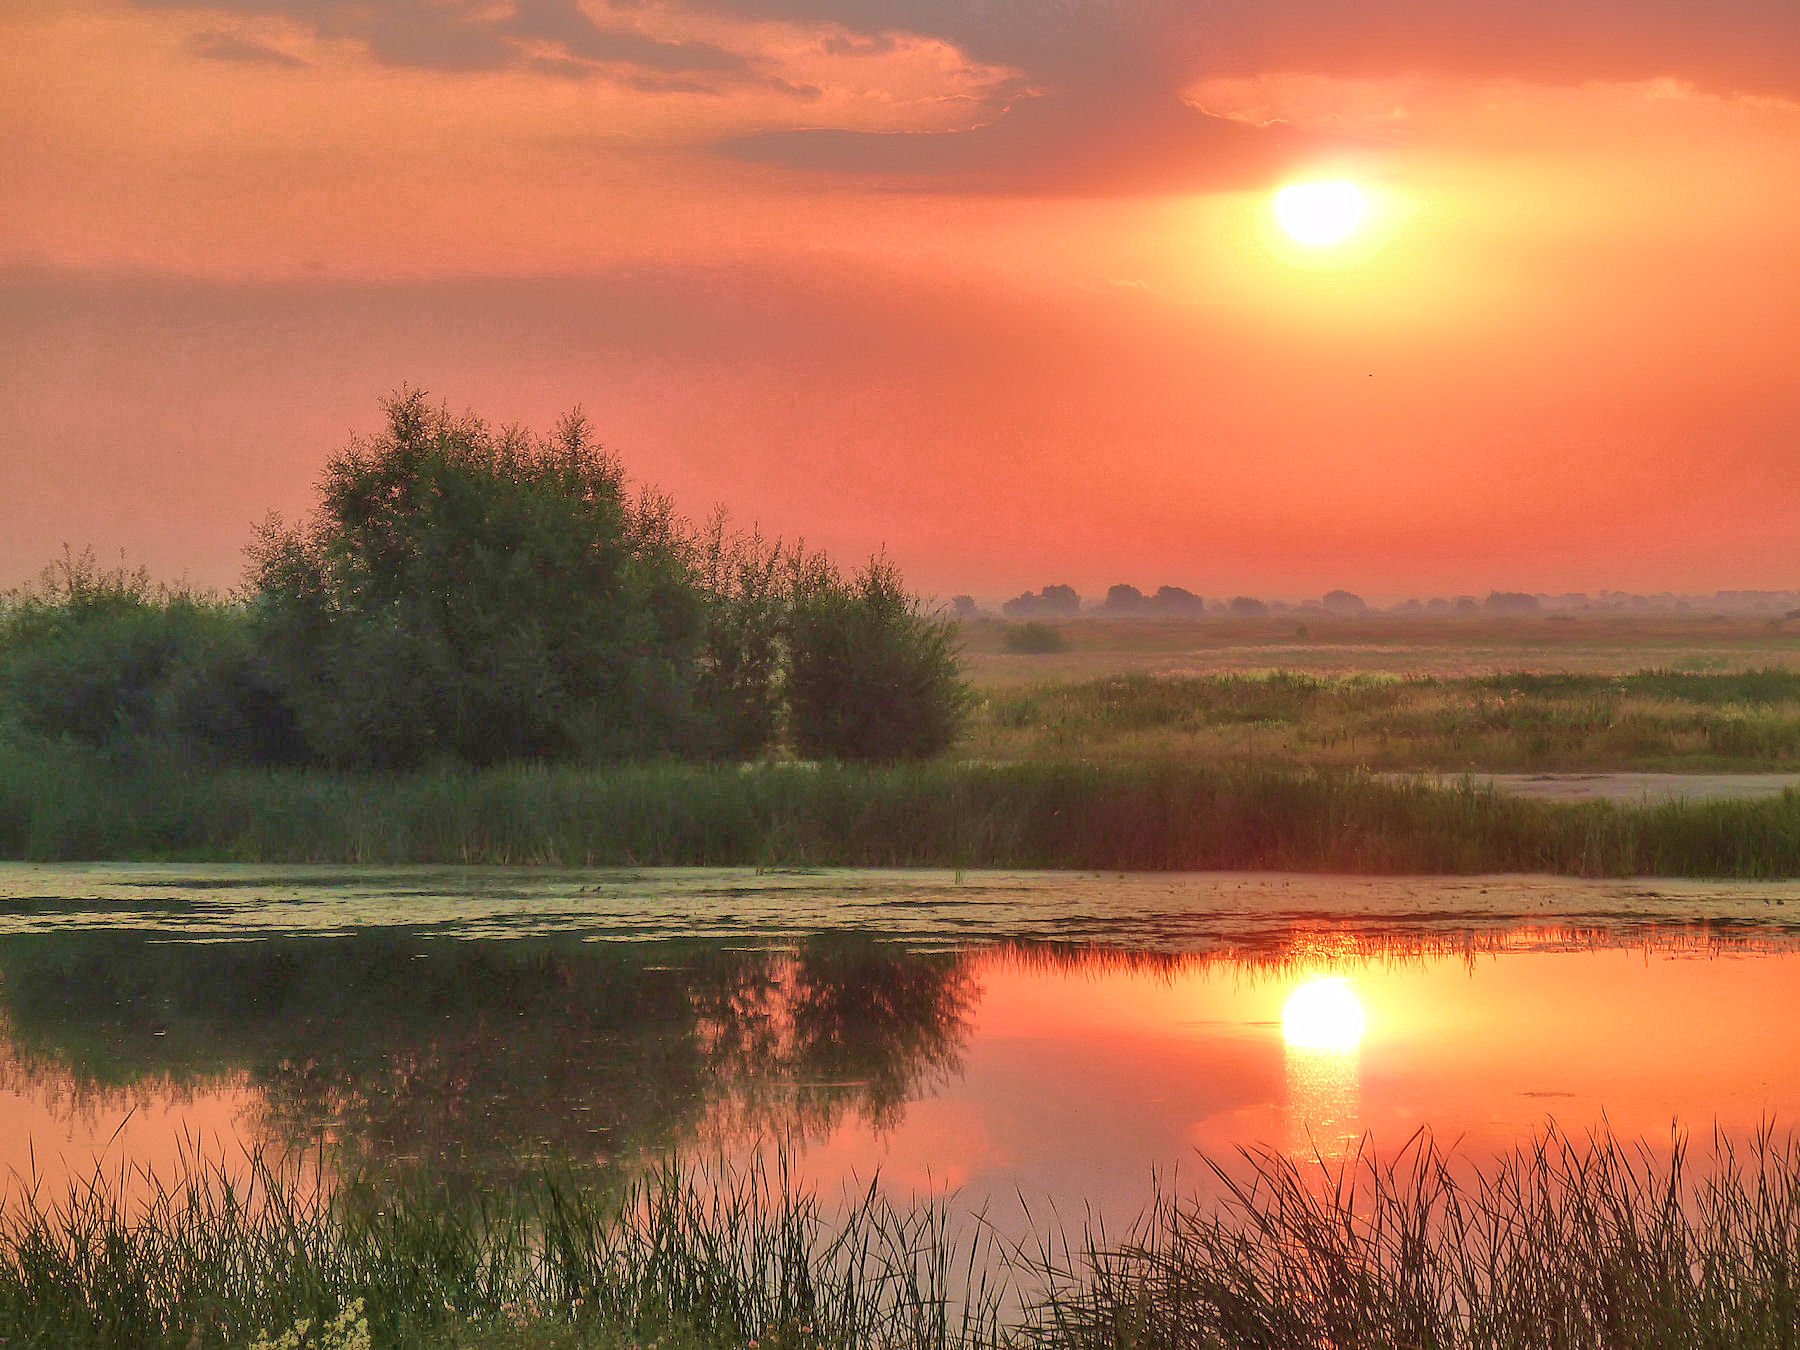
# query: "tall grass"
{"type": "Point", "coordinates": [1564, 1242]}
{"type": "Point", "coordinates": [74, 806]}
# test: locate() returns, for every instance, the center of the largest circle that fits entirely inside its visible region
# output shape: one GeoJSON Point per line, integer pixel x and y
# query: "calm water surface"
{"type": "Point", "coordinates": [1053, 1037]}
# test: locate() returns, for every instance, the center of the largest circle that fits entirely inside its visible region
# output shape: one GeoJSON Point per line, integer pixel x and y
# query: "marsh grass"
{"type": "Point", "coordinates": [1746, 720]}
{"type": "Point", "coordinates": [679, 1256]}
{"type": "Point", "coordinates": [1565, 1242]}
{"type": "Point", "coordinates": [70, 805]}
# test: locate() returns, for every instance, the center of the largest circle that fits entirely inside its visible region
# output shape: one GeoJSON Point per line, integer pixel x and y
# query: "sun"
{"type": "Point", "coordinates": [1322, 213]}
{"type": "Point", "coordinates": [1323, 1014]}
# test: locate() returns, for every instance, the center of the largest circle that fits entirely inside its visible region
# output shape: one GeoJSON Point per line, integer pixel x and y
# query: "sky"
{"type": "Point", "coordinates": [994, 287]}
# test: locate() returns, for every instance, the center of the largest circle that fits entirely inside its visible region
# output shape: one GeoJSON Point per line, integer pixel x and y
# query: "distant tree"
{"type": "Point", "coordinates": [1175, 602]}
{"type": "Point", "coordinates": [1053, 602]}
{"type": "Point", "coordinates": [479, 595]}
{"type": "Point", "coordinates": [1344, 603]}
{"type": "Point", "coordinates": [1247, 607]}
{"type": "Point", "coordinates": [1511, 602]}
{"type": "Point", "coordinates": [872, 675]}
{"type": "Point", "coordinates": [964, 609]}
{"type": "Point", "coordinates": [1122, 601]}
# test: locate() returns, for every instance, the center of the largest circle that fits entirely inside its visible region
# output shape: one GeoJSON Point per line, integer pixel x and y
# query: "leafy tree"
{"type": "Point", "coordinates": [481, 595]}
{"type": "Point", "coordinates": [744, 583]}
{"type": "Point", "coordinates": [872, 675]}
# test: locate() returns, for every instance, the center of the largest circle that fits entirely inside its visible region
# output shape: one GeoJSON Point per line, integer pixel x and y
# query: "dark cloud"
{"type": "Point", "coordinates": [460, 35]}
{"type": "Point", "coordinates": [231, 47]}
{"type": "Point", "coordinates": [1725, 45]}
{"type": "Point", "coordinates": [1058, 144]}
{"type": "Point", "coordinates": [565, 24]}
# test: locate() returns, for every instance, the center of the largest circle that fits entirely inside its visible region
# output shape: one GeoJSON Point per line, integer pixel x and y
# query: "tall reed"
{"type": "Point", "coordinates": [1568, 1241]}
{"type": "Point", "coordinates": [73, 806]}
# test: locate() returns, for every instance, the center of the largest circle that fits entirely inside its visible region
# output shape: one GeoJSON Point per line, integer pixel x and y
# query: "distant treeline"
{"type": "Point", "coordinates": [1177, 602]}
{"type": "Point", "coordinates": [471, 595]}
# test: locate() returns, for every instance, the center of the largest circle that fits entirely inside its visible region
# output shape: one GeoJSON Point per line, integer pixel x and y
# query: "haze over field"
{"type": "Point", "coordinates": [998, 286]}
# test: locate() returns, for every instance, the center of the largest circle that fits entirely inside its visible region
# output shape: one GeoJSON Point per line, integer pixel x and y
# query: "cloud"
{"type": "Point", "coordinates": [1722, 45]}
{"type": "Point", "coordinates": [554, 36]}
{"type": "Point", "coordinates": [1059, 144]}
{"type": "Point", "coordinates": [222, 46]}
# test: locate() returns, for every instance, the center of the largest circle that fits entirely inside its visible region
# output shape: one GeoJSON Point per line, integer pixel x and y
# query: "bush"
{"type": "Point", "coordinates": [107, 659]}
{"type": "Point", "coordinates": [480, 595]}
{"type": "Point", "coordinates": [872, 676]}
{"type": "Point", "coordinates": [1033, 639]}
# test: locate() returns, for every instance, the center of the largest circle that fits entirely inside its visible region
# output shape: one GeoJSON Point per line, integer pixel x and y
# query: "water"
{"type": "Point", "coordinates": [1044, 1039]}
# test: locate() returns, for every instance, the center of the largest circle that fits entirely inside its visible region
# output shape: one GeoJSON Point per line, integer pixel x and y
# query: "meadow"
{"type": "Point", "coordinates": [1651, 720]}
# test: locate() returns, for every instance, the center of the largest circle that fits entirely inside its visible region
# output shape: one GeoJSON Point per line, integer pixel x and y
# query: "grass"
{"type": "Point", "coordinates": [1148, 816]}
{"type": "Point", "coordinates": [1564, 1242]}
{"type": "Point", "coordinates": [1650, 720]}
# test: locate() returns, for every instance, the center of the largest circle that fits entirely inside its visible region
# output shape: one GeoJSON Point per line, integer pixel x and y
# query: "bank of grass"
{"type": "Point", "coordinates": [60, 804]}
{"type": "Point", "coordinates": [1562, 1243]}
{"type": "Point", "coordinates": [1650, 720]}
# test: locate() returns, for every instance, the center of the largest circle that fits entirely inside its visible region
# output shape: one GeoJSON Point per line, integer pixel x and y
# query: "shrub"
{"type": "Point", "coordinates": [872, 675]}
{"type": "Point", "coordinates": [107, 659]}
{"type": "Point", "coordinates": [1033, 639]}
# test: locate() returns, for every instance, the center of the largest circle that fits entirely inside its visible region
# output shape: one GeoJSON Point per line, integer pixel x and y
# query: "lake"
{"type": "Point", "coordinates": [1047, 1040]}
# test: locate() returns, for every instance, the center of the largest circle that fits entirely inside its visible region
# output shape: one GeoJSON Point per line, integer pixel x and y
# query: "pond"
{"type": "Point", "coordinates": [1019, 1040]}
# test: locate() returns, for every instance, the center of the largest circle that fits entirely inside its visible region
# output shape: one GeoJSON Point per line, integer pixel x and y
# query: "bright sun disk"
{"type": "Point", "coordinates": [1323, 1014]}
{"type": "Point", "coordinates": [1320, 214]}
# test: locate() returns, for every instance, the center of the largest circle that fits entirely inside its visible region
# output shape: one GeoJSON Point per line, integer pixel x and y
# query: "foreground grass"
{"type": "Point", "coordinates": [1651, 720]}
{"type": "Point", "coordinates": [1563, 1243]}
{"type": "Point", "coordinates": [64, 805]}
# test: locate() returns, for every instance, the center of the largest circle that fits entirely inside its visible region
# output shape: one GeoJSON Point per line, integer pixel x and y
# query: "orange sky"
{"type": "Point", "coordinates": [994, 285]}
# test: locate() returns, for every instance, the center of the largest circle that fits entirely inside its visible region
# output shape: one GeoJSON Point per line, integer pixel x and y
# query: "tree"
{"type": "Point", "coordinates": [1176, 602]}
{"type": "Point", "coordinates": [1051, 602]}
{"type": "Point", "coordinates": [872, 675]}
{"type": "Point", "coordinates": [746, 595]}
{"type": "Point", "coordinates": [480, 595]}
{"type": "Point", "coordinates": [1122, 600]}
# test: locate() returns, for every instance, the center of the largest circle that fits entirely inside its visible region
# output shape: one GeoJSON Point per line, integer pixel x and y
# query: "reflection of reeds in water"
{"type": "Point", "coordinates": [1590, 1241]}
{"type": "Point", "coordinates": [1310, 948]}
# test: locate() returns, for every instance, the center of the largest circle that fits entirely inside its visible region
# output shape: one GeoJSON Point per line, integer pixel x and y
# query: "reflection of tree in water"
{"type": "Point", "coordinates": [796, 1037]}
{"type": "Point", "coordinates": [482, 1058]}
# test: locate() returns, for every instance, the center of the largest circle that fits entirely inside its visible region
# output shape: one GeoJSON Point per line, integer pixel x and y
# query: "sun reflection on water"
{"type": "Point", "coordinates": [1323, 1013]}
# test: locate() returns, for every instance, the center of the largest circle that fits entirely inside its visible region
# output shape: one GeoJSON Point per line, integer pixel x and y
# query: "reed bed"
{"type": "Point", "coordinates": [1566, 1242]}
{"type": "Point", "coordinates": [66, 805]}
